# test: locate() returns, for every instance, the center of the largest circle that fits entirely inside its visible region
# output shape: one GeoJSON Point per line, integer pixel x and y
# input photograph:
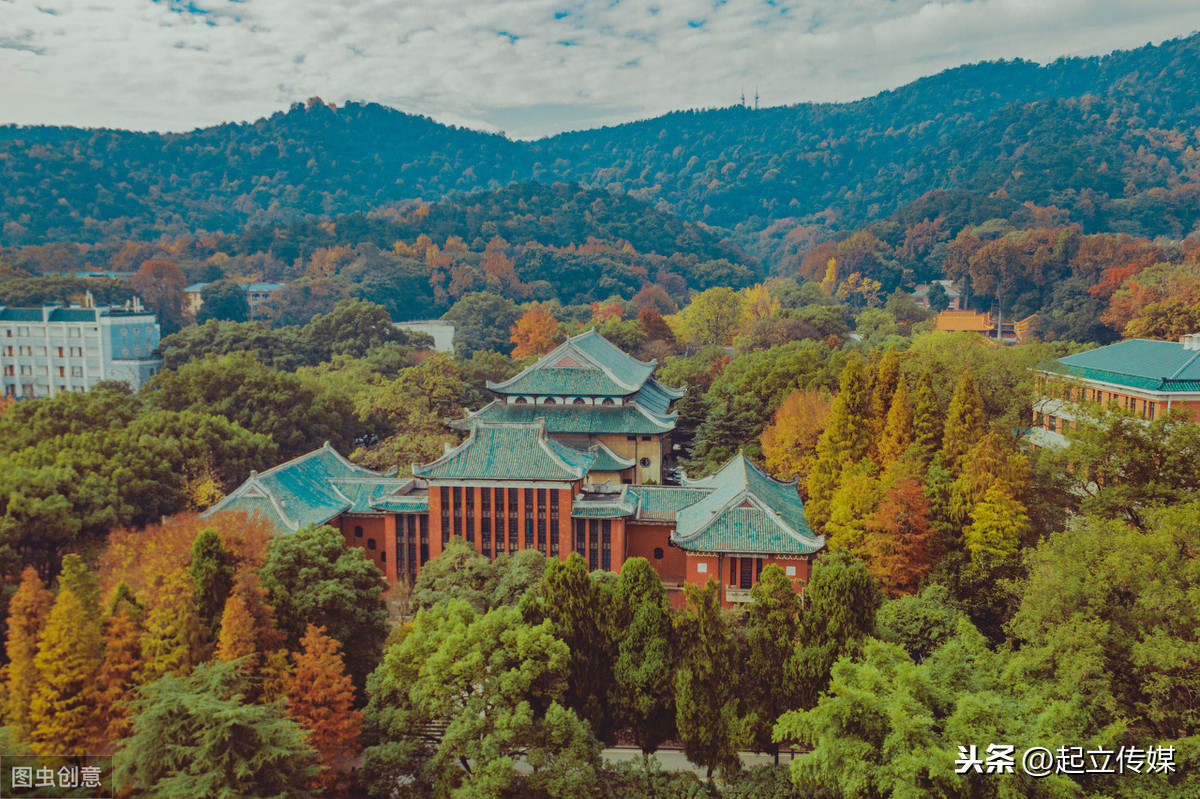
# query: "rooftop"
{"type": "Point", "coordinates": [1137, 363]}
{"type": "Point", "coordinates": [509, 451]}
{"type": "Point", "coordinates": [575, 419]}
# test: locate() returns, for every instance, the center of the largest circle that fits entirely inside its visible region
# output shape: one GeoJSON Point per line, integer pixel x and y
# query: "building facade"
{"type": "Point", "coordinates": [258, 297]}
{"type": "Point", "coordinates": [1145, 377]}
{"type": "Point", "coordinates": [48, 350]}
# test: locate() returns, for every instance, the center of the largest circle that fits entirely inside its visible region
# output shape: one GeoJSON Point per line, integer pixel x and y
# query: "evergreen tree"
{"type": "Point", "coordinates": [901, 545]}
{"type": "Point", "coordinates": [119, 672]}
{"type": "Point", "coordinates": [898, 432]}
{"type": "Point", "coordinates": [852, 506]}
{"type": "Point", "coordinates": [928, 423]}
{"type": "Point", "coordinates": [883, 390]}
{"type": "Point", "coordinates": [998, 525]}
{"type": "Point", "coordinates": [321, 700]}
{"type": "Point", "coordinates": [174, 640]}
{"type": "Point", "coordinates": [82, 580]}
{"type": "Point", "coordinates": [63, 711]}
{"type": "Point", "coordinates": [846, 440]}
{"type": "Point", "coordinates": [28, 612]}
{"type": "Point", "coordinates": [708, 684]}
{"type": "Point", "coordinates": [772, 624]}
{"type": "Point", "coordinates": [238, 637]}
{"type": "Point", "coordinates": [964, 422]}
{"type": "Point", "coordinates": [220, 745]}
{"type": "Point", "coordinates": [211, 571]}
{"type": "Point", "coordinates": [645, 666]}
{"type": "Point", "coordinates": [993, 460]}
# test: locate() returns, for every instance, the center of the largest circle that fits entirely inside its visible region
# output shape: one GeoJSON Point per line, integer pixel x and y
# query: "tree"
{"type": "Point", "coordinates": [353, 328]}
{"type": "Point", "coordinates": [712, 317]}
{"type": "Point", "coordinates": [313, 578]}
{"type": "Point", "coordinates": [883, 391]}
{"type": "Point", "coordinates": [789, 443]}
{"type": "Point", "coordinates": [845, 440]}
{"type": "Point", "coordinates": [644, 670]}
{"type": "Point", "coordinates": [535, 332]}
{"type": "Point", "coordinates": [852, 506]}
{"type": "Point", "coordinates": [223, 299]}
{"type": "Point", "coordinates": [897, 433]}
{"type": "Point", "coordinates": [482, 322]}
{"type": "Point", "coordinates": [900, 545]}
{"type": "Point", "coordinates": [211, 571]}
{"type": "Point", "coordinates": [220, 744]}
{"type": "Point", "coordinates": [63, 714]}
{"type": "Point", "coordinates": [772, 624]}
{"type": "Point", "coordinates": [28, 612]}
{"type": "Point", "coordinates": [237, 638]}
{"type": "Point", "coordinates": [119, 671]}
{"type": "Point", "coordinates": [964, 422]}
{"type": "Point", "coordinates": [161, 285]}
{"type": "Point", "coordinates": [927, 417]}
{"type": "Point", "coordinates": [321, 700]}
{"type": "Point", "coordinates": [998, 525]}
{"type": "Point", "coordinates": [496, 684]}
{"type": "Point", "coordinates": [175, 638]}
{"type": "Point", "coordinates": [460, 572]}
{"type": "Point", "coordinates": [707, 684]}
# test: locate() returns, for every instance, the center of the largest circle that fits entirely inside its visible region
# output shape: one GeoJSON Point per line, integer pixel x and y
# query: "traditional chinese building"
{"type": "Point", "coordinates": [591, 393]}
{"type": "Point", "coordinates": [1142, 376]}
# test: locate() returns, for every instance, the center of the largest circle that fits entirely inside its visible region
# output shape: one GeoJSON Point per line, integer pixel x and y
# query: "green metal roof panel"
{"type": "Point", "coordinates": [575, 419]}
{"type": "Point", "coordinates": [20, 314]}
{"type": "Point", "coordinates": [509, 451]}
{"type": "Point", "coordinates": [1137, 363]}
{"type": "Point", "coordinates": [750, 531]}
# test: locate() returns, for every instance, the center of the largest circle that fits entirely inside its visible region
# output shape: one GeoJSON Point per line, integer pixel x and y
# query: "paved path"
{"type": "Point", "coordinates": [673, 759]}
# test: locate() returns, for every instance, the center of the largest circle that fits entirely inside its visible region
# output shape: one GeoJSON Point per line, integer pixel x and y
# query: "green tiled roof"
{"type": "Point", "coordinates": [601, 370]}
{"type": "Point", "coordinates": [417, 503]}
{"type": "Point", "coordinates": [578, 419]}
{"type": "Point", "coordinates": [20, 314]}
{"type": "Point", "coordinates": [1137, 363]}
{"type": "Point", "coordinates": [746, 511]}
{"type": "Point", "coordinates": [509, 451]}
{"type": "Point", "coordinates": [655, 397]}
{"type": "Point", "coordinates": [605, 502]}
{"type": "Point", "coordinates": [608, 461]}
{"type": "Point", "coordinates": [73, 315]}
{"type": "Point", "coordinates": [662, 503]}
{"type": "Point", "coordinates": [312, 489]}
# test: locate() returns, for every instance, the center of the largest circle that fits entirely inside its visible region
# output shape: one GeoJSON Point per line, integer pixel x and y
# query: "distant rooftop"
{"type": "Point", "coordinates": [1139, 363]}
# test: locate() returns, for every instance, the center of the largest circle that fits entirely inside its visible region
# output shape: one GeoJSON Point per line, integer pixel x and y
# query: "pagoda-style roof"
{"type": "Point", "coordinates": [317, 486]}
{"type": "Point", "coordinates": [509, 451]}
{"type": "Point", "coordinates": [608, 461]}
{"type": "Point", "coordinates": [1139, 364]}
{"type": "Point", "coordinates": [630, 419]}
{"type": "Point", "coordinates": [604, 502]}
{"type": "Point", "coordinates": [746, 511]}
{"type": "Point", "coordinates": [587, 365]}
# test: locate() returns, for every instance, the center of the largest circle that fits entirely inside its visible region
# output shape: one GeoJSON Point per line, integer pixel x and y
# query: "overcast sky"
{"type": "Point", "coordinates": [528, 67]}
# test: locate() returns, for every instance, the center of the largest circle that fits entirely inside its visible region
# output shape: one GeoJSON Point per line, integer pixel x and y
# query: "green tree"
{"type": "Point", "coordinates": [643, 674]}
{"type": "Point", "coordinates": [220, 744]}
{"type": "Point", "coordinates": [998, 525]}
{"type": "Point", "coordinates": [772, 627]}
{"type": "Point", "coordinates": [712, 317]}
{"type": "Point", "coordinates": [481, 322]}
{"type": "Point", "coordinates": [496, 683]}
{"type": "Point", "coordinates": [707, 684]}
{"type": "Point", "coordinates": [846, 440]}
{"type": "Point", "coordinates": [897, 432]}
{"type": "Point", "coordinates": [313, 578]}
{"type": "Point", "coordinates": [458, 573]}
{"type": "Point", "coordinates": [223, 299]}
{"type": "Point", "coordinates": [211, 571]}
{"type": "Point", "coordinates": [354, 328]}
{"type": "Point", "coordinates": [886, 378]}
{"type": "Point", "coordinates": [928, 423]}
{"type": "Point", "coordinates": [964, 422]}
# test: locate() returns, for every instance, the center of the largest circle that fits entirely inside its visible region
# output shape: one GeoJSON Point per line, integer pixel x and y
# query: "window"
{"type": "Point", "coordinates": [61, 351]}
{"type": "Point", "coordinates": [745, 571]}
{"type": "Point", "coordinates": [790, 571]}
{"type": "Point", "coordinates": [25, 350]}
{"type": "Point", "coordinates": [77, 352]}
{"type": "Point", "coordinates": [645, 463]}
{"type": "Point", "coordinates": [702, 568]}
{"type": "Point", "coordinates": [578, 401]}
{"type": "Point", "coordinates": [646, 438]}
{"type": "Point", "coordinates": [62, 371]}
{"type": "Point", "coordinates": [608, 401]}
{"type": "Point", "coordinates": [358, 532]}
{"type": "Point", "coordinates": [1150, 411]}
{"type": "Point", "coordinates": [76, 371]}
{"type": "Point", "coordinates": [371, 544]}
{"type": "Point", "coordinates": [548, 401]}
{"type": "Point", "coordinates": [658, 553]}
{"type": "Point", "coordinates": [8, 371]}
{"type": "Point", "coordinates": [520, 401]}
{"type": "Point", "coordinates": [382, 556]}
{"type": "Point", "coordinates": [631, 438]}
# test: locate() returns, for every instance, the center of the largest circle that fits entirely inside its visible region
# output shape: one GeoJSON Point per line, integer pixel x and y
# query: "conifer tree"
{"type": "Point", "coordinates": [928, 423]}
{"type": "Point", "coordinates": [80, 579]}
{"type": "Point", "coordinates": [645, 667]}
{"type": "Point", "coordinates": [276, 674]}
{"type": "Point", "coordinates": [883, 389]}
{"type": "Point", "coordinates": [174, 640]}
{"type": "Point", "coordinates": [853, 505]}
{"type": "Point", "coordinates": [772, 624]}
{"type": "Point", "coordinates": [62, 712]}
{"type": "Point", "coordinates": [707, 684]}
{"type": "Point", "coordinates": [900, 545]}
{"type": "Point", "coordinates": [964, 422]}
{"type": "Point", "coordinates": [119, 672]}
{"type": "Point", "coordinates": [28, 612]}
{"type": "Point", "coordinates": [237, 638]}
{"type": "Point", "coordinates": [998, 524]}
{"type": "Point", "coordinates": [211, 571]}
{"type": "Point", "coordinates": [993, 460]}
{"type": "Point", "coordinates": [846, 440]}
{"type": "Point", "coordinates": [321, 700]}
{"type": "Point", "coordinates": [897, 432]}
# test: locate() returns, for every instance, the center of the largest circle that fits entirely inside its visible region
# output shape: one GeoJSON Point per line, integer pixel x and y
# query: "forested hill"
{"type": "Point", "coordinates": [1111, 140]}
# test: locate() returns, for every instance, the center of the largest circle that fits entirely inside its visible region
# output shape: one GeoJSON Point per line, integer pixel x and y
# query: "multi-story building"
{"type": "Point", "coordinates": [258, 296]}
{"type": "Point", "coordinates": [516, 484]}
{"type": "Point", "coordinates": [44, 351]}
{"type": "Point", "coordinates": [590, 393]}
{"type": "Point", "coordinates": [1142, 376]}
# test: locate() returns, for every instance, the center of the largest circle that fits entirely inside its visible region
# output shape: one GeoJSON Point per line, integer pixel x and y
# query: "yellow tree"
{"type": "Point", "coordinates": [535, 333]}
{"type": "Point", "coordinates": [119, 672]}
{"type": "Point", "coordinates": [789, 442]}
{"type": "Point", "coordinates": [712, 317]}
{"type": "Point", "coordinates": [759, 303]}
{"type": "Point", "coordinates": [321, 699]}
{"type": "Point", "coordinates": [28, 612]}
{"type": "Point", "coordinates": [174, 640]}
{"type": "Point", "coordinates": [897, 432]}
{"type": "Point", "coordinates": [63, 711]}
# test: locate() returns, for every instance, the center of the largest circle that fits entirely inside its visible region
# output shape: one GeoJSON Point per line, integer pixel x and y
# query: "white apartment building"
{"type": "Point", "coordinates": [44, 351]}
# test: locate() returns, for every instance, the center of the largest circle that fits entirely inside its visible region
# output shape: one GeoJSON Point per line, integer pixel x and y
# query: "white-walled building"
{"type": "Point", "coordinates": [44, 351]}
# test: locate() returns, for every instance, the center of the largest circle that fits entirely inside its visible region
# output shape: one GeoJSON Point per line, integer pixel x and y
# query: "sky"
{"type": "Point", "coordinates": [526, 67]}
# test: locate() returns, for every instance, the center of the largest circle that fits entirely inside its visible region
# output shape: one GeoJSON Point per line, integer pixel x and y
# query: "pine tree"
{"type": "Point", "coordinates": [928, 423]}
{"type": "Point", "coordinates": [321, 699]}
{"type": "Point", "coordinates": [119, 672]}
{"type": "Point", "coordinates": [645, 667]}
{"type": "Point", "coordinates": [80, 579]}
{"type": "Point", "coordinates": [897, 432]}
{"type": "Point", "coordinates": [964, 422]}
{"type": "Point", "coordinates": [998, 524]}
{"type": "Point", "coordinates": [62, 713]}
{"type": "Point", "coordinates": [772, 624]}
{"type": "Point", "coordinates": [901, 545]}
{"type": "Point", "coordinates": [28, 612]}
{"type": "Point", "coordinates": [211, 571]}
{"type": "Point", "coordinates": [846, 440]}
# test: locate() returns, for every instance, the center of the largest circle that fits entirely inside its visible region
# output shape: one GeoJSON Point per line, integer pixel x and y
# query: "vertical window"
{"type": "Point", "coordinates": [606, 545]}
{"type": "Point", "coordinates": [733, 572]}
{"type": "Point", "coordinates": [1150, 411]}
{"type": "Point", "coordinates": [593, 544]}
{"type": "Point", "coordinates": [581, 537]}
{"type": "Point", "coordinates": [745, 572]}
{"type": "Point", "coordinates": [444, 494]}
{"type": "Point", "coordinates": [470, 529]}
{"type": "Point", "coordinates": [513, 543]}
{"type": "Point", "coordinates": [458, 510]}
{"type": "Point", "coordinates": [541, 519]}
{"type": "Point", "coordinates": [424, 522]}
{"type": "Point", "coordinates": [500, 518]}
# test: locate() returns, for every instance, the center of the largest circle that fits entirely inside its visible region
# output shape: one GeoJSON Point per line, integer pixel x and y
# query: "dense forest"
{"type": "Point", "coordinates": [1110, 140]}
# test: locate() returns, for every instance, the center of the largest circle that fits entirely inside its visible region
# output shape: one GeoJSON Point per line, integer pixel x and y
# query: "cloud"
{"type": "Point", "coordinates": [530, 67]}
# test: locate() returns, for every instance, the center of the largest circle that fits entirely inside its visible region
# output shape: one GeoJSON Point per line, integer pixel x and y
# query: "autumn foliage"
{"type": "Point", "coordinates": [321, 699]}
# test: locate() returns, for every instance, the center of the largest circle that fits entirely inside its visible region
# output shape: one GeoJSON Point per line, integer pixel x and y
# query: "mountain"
{"type": "Point", "coordinates": [1110, 140]}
